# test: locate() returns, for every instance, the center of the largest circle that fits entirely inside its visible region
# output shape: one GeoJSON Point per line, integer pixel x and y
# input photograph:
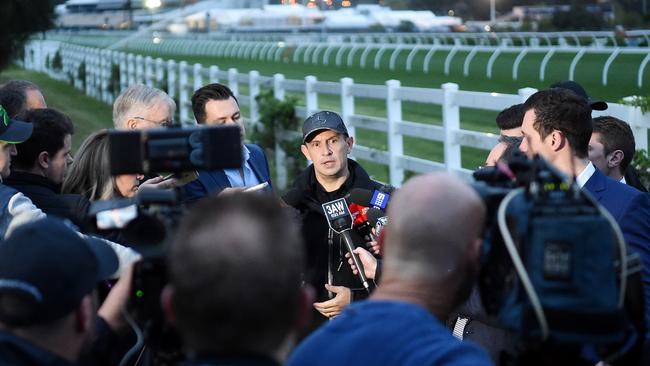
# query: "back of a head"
{"type": "Point", "coordinates": [615, 135]}
{"type": "Point", "coordinates": [203, 95]}
{"type": "Point", "coordinates": [433, 220]}
{"type": "Point", "coordinates": [511, 117]}
{"type": "Point", "coordinates": [235, 268]}
{"type": "Point", "coordinates": [562, 110]}
{"type": "Point", "coordinates": [135, 99]}
{"type": "Point", "coordinates": [50, 129]}
{"type": "Point", "coordinates": [90, 175]}
{"type": "Point", "coordinates": [13, 96]}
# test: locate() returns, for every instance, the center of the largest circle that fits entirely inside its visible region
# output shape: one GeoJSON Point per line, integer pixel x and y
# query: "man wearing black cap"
{"type": "Point", "coordinates": [331, 175]}
{"type": "Point", "coordinates": [47, 277]}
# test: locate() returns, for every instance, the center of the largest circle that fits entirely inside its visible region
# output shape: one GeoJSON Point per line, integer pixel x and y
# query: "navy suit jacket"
{"type": "Point", "coordinates": [214, 181]}
{"type": "Point", "coordinates": [631, 209]}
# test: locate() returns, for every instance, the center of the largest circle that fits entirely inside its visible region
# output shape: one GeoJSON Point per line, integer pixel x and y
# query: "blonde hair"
{"type": "Point", "coordinates": [90, 172]}
{"type": "Point", "coordinates": [138, 97]}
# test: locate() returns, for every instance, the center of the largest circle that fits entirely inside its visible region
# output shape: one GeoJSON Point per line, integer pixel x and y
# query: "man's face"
{"type": "Point", "coordinates": [224, 112]}
{"type": "Point", "coordinates": [35, 99]}
{"type": "Point", "coordinates": [58, 166]}
{"type": "Point", "coordinates": [597, 153]}
{"type": "Point", "coordinates": [155, 116]}
{"type": "Point", "coordinates": [533, 143]}
{"type": "Point", "coordinates": [8, 150]}
{"type": "Point", "coordinates": [328, 150]}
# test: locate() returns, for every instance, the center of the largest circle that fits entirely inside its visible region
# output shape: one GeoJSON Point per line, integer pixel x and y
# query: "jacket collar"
{"type": "Point", "coordinates": [21, 351]}
{"type": "Point", "coordinates": [20, 178]}
{"type": "Point", "coordinates": [596, 185]}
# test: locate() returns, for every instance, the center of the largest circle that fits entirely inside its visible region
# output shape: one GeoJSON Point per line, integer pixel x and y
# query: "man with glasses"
{"type": "Point", "coordinates": [140, 107]}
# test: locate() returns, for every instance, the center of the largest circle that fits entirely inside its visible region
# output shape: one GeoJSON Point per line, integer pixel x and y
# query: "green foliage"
{"type": "Point", "coordinates": [57, 62]}
{"type": "Point", "coordinates": [81, 74]}
{"type": "Point", "coordinates": [277, 121]}
{"type": "Point", "coordinates": [406, 26]}
{"type": "Point", "coordinates": [114, 82]}
{"type": "Point", "coordinates": [578, 18]}
{"type": "Point", "coordinates": [19, 19]}
{"type": "Point", "coordinates": [641, 163]}
{"type": "Point", "coordinates": [642, 102]}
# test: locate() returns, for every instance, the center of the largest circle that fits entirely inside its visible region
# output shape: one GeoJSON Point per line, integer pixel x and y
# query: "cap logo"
{"type": "Point", "coordinates": [4, 116]}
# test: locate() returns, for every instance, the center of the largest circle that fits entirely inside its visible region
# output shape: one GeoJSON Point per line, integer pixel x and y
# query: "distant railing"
{"type": "Point", "coordinates": [180, 79]}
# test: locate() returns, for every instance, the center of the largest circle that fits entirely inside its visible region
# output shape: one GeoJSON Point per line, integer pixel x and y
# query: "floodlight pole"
{"type": "Point", "coordinates": [492, 12]}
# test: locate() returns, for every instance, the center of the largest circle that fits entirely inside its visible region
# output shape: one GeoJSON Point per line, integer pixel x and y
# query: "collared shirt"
{"type": "Point", "coordinates": [585, 175]}
{"type": "Point", "coordinates": [235, 179]}
{"type": "Point", "coordinates": [623, 180]}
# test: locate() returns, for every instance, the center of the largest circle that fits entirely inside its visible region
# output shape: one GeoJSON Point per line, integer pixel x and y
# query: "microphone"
{"type": "Point", "coordinates": [377, 219]}
{"type": "Point", "coordinates": [339, 220]}
{"type": "Point", "coordinates": [367, 198]}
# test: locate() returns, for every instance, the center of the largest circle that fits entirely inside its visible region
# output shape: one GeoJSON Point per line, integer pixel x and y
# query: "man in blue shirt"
{"type": "Point", "coordinates": [430, 264]}
{"type": "Point", "coordinates": [213, 105]}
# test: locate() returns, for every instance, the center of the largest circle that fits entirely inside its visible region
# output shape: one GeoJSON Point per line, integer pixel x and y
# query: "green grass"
{"type": "Point", "coordinates": [87, 114]}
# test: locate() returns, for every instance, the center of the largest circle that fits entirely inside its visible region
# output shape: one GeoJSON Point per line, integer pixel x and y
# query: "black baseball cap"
{"type": "Point", "coordinates": [323, 120]}
{"type": "Point", "coordinates": [12, 131]}
{"type": "Point", "coordinates": [53, 267]}
{"type": "Point", "coordinates": [597, 105]}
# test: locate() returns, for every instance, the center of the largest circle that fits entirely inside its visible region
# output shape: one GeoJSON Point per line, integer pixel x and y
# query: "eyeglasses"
{"type": "Point", "coordinates": [165, 123]}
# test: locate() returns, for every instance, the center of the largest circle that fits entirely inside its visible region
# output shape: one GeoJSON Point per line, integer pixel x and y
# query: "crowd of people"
{"type": "Point", "coordinates": [253, 278]}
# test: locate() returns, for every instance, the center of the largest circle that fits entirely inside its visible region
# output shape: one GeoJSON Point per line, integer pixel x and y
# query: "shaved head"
{"type": "Point", "coordinates": [435, 219]}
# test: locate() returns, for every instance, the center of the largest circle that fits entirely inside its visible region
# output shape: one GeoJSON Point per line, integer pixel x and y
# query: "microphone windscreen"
{"type": "Point", "coordinates": [360, 196]}
{"type": "Point", "coordinates": [373, 215]}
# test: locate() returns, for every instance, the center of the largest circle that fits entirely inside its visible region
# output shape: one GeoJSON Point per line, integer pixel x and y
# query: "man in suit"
{"type": "Point", "coordinates": [213, 105]}
{"type": "Point", "coordinates": [557, 125]}
{"type": "Point", "coordinates": [612, 148]}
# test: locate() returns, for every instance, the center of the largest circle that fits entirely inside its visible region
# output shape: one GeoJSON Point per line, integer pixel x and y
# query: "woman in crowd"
{"type": "Point", "coordinates": [90, 173]}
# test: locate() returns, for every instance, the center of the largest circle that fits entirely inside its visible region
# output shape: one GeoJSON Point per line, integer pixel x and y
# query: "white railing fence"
{"type": "Point", "coordinates": [94, 71]}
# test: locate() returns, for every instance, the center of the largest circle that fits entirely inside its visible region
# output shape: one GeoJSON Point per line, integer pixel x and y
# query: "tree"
{"type": "Point", "coordinates": [18, 20]}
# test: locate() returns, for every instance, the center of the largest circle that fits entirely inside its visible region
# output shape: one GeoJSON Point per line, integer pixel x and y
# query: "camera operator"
{"type": "Point", "coordinates": [42, 162]}
{"type": "Point", "coordinates": [330, 176]}
{"type": "Point", "coordinates": [558, 126]}
{"type": "Point", "coordinates": [18, 96]}
{"type": "Point", "coordinates": [214, 105]}
{"type": "Point", "coordinates": [235, 290]}
{"type": "Point", "coordinates": [430, 264]}
{"type": "Point", "coordinates": [140, 107]}
{"type": "Point", "coordinates": [48, 306]}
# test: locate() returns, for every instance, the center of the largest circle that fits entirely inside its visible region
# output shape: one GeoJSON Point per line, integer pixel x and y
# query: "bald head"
{"type": "Point", "coordinates": [435, 219]}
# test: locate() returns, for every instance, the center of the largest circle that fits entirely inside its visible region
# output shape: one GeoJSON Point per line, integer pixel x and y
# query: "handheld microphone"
{"type": "Point", "coordinates": [340, 221]}
{"type": "Point", "coordinates": [367, 198]}
{"type": "Point", "coordinates": [377, 219]}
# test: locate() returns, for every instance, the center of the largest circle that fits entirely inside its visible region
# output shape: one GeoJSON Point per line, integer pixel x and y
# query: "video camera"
{"type": "Point", "coordinates": [555, 267]}
{"type": "Point", "coordinates": [148, 220]}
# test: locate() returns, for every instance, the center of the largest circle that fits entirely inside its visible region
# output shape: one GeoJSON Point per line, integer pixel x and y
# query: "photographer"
{"type": "Point", "coordinates": [235, 286]}
{"type": "Point", "coordinates": [509, 123]}
{"type": "Point", "coordinates": [48, 308]}
{"type": "Point", "coordinates": [330, 176]}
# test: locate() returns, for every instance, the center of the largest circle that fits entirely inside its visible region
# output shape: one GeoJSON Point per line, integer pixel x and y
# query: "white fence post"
{"type": "Point", "coordinates": [160, 72]}
{"type": "Point", "coordinates": [124, 73]}
{"type": "Point", "coordinates": [139, 69]}
{"type": "Point", "coordinates": [280, 154]}
{"type": "Point", "coordinates": [130, 59]}
{"type": "Point", "coordinates": [182, 93]}
{"type": "Point", "coordinates": [451, 124]}
{"type": "Point", "coordinates": [347, 104]}
{"type": "Point", "coordinates": [198, 76]}
{"type": "Point", "coordinates": [395, 140]}
{"type": "Point", "coordinates": [214, 74]}
{"type": "Point", "coordinates": [171, 78]}
{"type": "Point", "coordinates": [233, 83]}
{"type": "Point", "coordinates": [148, 71]}
{"type": "Point", "coordinates": [524, 93]}
{"type": "Point", "coordinates": [311, 97]}
{"type": "Point", "coordinates": [253, 92]}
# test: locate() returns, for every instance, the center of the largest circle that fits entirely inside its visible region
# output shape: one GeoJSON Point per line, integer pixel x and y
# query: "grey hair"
{"type": "Point", "coordinates": [137, 97]}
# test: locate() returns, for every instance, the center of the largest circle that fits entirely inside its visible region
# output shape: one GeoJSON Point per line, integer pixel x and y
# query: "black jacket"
{"type": "Point", "coordinates": [17, 351]}
{"type": "Point", "coordinates": [315, 231]}
{"type": "Point", "coordinates": [47, 196]}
